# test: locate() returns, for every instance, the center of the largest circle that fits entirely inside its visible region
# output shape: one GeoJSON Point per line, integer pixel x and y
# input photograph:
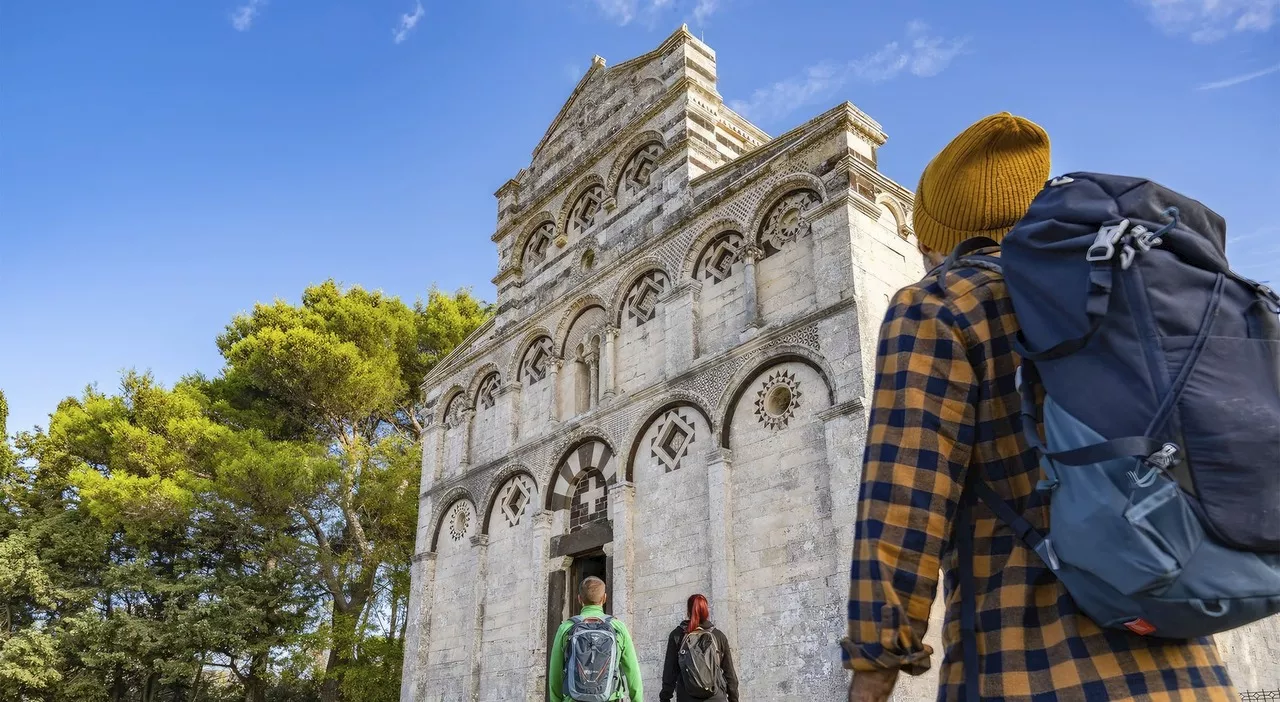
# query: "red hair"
{"type": "Point", "coordinates": [699, 611]}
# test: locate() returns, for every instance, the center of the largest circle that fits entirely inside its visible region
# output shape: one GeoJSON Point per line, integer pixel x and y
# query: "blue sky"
{"type": "Point", "coordinates": [165, 164]}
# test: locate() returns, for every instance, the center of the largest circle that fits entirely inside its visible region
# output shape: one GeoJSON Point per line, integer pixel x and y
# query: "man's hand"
{"type": "Point", "coordinates": [872, 685]}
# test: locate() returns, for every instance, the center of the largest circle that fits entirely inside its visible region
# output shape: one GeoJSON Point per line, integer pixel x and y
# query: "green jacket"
{"type": "Point", "coordinates": [628, 666]}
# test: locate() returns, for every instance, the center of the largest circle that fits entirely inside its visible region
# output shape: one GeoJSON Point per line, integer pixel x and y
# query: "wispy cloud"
{"type": "Point", "coordinates": [625, 11]}
{"type": "Point", "coordinates": [1237, 80]}
{"type": "Point", "coordinates": [407, 23]}
{"type": "Point", "coordinates": [1207, 21]}
{"type": "Point", "coordinates": [704, 9]}
{"type": "Point", "coordinates": [921, 54]}
{"type": "Point", "coordinates": [242, 19]}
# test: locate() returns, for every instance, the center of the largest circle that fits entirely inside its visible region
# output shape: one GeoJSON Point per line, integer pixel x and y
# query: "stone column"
{"type": "Point", "coordinates": [432, 458]}
{"type": "Point", "coordinates": [536, 682]}
{"type": "Point", "coordinates": [622, 495]}
{"type": "Point", "coordinates": [750, 295]}
{"type": "Point", "coordinates": [680, 313]}
{"type": "Point", "coordinates": [469, 421]}
{"type": "Point", "coordinates": [480, 542]}
{"type": "Point", "coordinates": [720, 542]}
{"type": "Point", "coordinates": [553, 373]}
{"type": "Point", "coordinates": [593, 379]}
{"type": "Point", "coordinates": [422, 576]}
{"type": "Point", "coordinates": [608, 361]}
{"type": "Point", "coordinates": [513, 393]}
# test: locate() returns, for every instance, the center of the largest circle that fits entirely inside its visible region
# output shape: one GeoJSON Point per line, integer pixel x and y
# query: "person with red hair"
{"type": "Point", "coordinates": [699, 665]}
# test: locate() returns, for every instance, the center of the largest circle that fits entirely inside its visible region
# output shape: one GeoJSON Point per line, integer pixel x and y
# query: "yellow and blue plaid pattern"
{"type": "Point", "coordinates": [944, 403]}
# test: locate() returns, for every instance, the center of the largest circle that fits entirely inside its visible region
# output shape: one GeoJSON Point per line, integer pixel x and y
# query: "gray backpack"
{"type": "Point", "coordinates": [700, 663]}
{"type": "Point", "coordinates": [1160, 371]}
{"type": "Point", "coordinates": [591, 660]}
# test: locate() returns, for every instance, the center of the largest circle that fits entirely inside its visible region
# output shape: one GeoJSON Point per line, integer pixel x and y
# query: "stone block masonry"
{"type": "Point", "coordinates": [671, 395]}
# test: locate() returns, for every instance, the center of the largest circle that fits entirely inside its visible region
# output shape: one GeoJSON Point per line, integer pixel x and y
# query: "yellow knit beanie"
{"type": "Point", "coordinates": [981, 183]}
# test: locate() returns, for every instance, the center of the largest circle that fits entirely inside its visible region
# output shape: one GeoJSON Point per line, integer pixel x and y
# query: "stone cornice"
{"type": "Point", "coordinates": [842, 409]}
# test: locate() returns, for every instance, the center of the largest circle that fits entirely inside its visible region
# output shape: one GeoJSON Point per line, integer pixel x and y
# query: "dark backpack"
{"type": "Point", "coordinates": [591, 660]}
{"type": "Point", "coordinates": [700, 663]}
{"type": "Point", "coordinates": [1160, 371]}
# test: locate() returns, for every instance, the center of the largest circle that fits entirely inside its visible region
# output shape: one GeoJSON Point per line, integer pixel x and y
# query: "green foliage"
{"type": "Point", "coordinates": [208, 541]}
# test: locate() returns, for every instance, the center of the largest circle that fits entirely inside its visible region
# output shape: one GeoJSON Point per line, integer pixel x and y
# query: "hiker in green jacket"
{"type": "Point", "coordinates": [601, 649]}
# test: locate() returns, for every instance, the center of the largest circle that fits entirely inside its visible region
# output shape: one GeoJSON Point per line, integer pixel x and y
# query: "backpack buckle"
{"type": "Point", "coordinates": [1104, 245]}
{"type": "Point", "coordinates": [1145, 238]}
{"type": "Point", "coordinates": [1166, 458]}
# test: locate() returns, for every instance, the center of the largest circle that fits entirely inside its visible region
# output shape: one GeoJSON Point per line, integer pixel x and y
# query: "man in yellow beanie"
{"type": "Point", "coordinates": [945, 408]}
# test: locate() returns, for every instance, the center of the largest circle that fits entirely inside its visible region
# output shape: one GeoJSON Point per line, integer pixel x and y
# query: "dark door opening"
{"type": "Point", "coordinates": [585, 567]}
{"type": "Point", "coordinates": [562, 596]}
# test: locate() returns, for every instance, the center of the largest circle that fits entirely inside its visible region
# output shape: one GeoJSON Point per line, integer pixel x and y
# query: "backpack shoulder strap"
{"type": "Point", "coordinates": [963, 250]}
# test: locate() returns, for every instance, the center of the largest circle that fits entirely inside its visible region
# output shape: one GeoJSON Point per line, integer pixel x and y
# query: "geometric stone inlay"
{"type": "Point", "coordinates": [591, 455]}
{"type": "Point", "coordinates": [488, 395]}
{"type": "Point", "coordinates": [453, 412]}
{"type": "Point", "coordinates": [671, 442]}
{"type": "Point", "coordinates": [516, 498]}
{"type": "Point", "coordinates": [585, 209]}
{"type": "Point", "coordinates": [536, 360]}
{"type": "Point", "coordinates": [459, 521]}
{"type": "Point", "coordinates": [535, 250]}
{"type": "Point", "coordinates": [642, 299]}
{"type": "Point", "coordinates": [777, 399]}
{"type": "Point", "coordinates": [590, 501]}
{"type": "Point", "coordinates": [636, 174]}
{"type": "Point", "coordinates": [717, 259]}
{"type": "Point", "coordinates": [786, 221]}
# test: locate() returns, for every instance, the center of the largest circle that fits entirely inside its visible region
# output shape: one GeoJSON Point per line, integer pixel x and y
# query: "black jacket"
{"type": "Point", "coordinates": [726, 691]}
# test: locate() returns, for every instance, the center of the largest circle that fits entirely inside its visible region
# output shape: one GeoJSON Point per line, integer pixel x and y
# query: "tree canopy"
{"type": "Point", "coordinates": [240, 536]}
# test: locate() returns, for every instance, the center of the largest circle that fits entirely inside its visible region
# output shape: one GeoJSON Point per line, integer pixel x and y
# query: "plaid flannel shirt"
{"type": "Point", "coordinates": [945, 403]}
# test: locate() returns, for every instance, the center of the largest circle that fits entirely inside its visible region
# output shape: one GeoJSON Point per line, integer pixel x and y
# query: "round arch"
{"type": "Point", "coordinates": [586, 452]}
{"type": "Point", "coordinates": [709, 232]}
{"type": "Point", "coordinates": [899, 214]}
{"type": "Point", "coordinates": [542, 218]}
{"type": "Point", "coordinates": [446, 400]}
{"type": "Point", "coordinates": [634, 271]}
{"type": "Point", "coordinates": [495, 489]}
{"type": "Point", "coordinates": [741, 381]}
{"type": "Point", "coordinates": [629, 149]}
{"type": "Point", "coordinates": [576, 310]}
{"type": "Point", "coordinates": [586, 183]}
{"type": "Point", "coordinates": [666, 404]}
{"type": "Point", "coordinates": [784, 186]}
{"type": "Point", "coordinates": [529, 339]}
{"type": "Point", "coordinates": [451, 498]}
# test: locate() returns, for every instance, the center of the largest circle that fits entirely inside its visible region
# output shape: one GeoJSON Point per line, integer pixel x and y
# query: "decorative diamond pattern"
{"type": "Point", "coordinates": [777, 399]}
{"type": "Point", "coordinates": [583, 215]}
{"type": "Point", "coordinates": [642, 299]}
{"type": "Point", "coordinates": [535, 250]}
{"type": "Point", "coordinates": [715, 263]}
{"type": "Point", "coordinates": [488, 395]}
{"type": "Point", "coordinates": [515, 498]}
{"type": "Point", "coordinates": [639, 169]}
{"type": "Point", "coordinates": [536, 360]}
{"type": "Point", "coordinates": [671, 442]}
{"type": "Point", "coordinates": [786, 221]}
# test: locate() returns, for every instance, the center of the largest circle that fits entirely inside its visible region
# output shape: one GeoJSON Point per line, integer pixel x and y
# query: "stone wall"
{"type": "Point", "coordinates": [449, 631]}
{"type": "Point", "coordinates": [789, 604]}
{"type": "Point", "coordinates": [506, 631]}
{"type": "Point", "coordinates": [671, 526]}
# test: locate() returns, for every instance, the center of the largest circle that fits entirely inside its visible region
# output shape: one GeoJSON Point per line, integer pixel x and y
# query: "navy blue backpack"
{"type": "Point", "coordinates": [1160, 371]}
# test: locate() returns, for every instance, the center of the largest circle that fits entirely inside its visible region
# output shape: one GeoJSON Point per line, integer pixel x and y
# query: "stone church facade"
{"type": "Point", "coordinates": [670, 396]}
